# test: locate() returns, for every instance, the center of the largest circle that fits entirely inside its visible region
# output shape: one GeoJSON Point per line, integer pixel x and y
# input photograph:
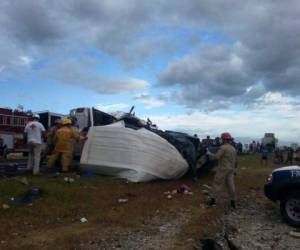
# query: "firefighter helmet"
{"type": "Point", "coordinates": [66, 121]}
{"type": "Point", "coordinates": [226, 136]}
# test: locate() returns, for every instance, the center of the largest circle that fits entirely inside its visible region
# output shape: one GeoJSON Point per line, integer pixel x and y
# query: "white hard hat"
{"type": "Point", "coordinates": [36, 116]}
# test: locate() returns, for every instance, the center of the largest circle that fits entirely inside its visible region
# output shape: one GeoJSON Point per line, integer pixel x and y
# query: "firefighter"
{"type": "Point", "coordinates": [226, 156]}
{"type": "Point", "coordinates": [63, 145]}
{"type": "Point", "coordinates": [50, 135]}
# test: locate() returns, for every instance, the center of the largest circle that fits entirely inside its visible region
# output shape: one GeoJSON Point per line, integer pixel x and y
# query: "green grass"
{"type": "Point", "coordinates": [55, 217]}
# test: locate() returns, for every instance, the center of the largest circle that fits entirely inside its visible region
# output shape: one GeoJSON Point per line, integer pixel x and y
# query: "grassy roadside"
{"type": "Point", "coordinates": [53, 220]}
{"type": "Point", "coordinates": [58, 212]}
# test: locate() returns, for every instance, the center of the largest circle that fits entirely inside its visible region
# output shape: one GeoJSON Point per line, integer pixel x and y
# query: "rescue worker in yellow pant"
{"type": "Point", "coordinates": [227, 158]}
{"type": "Point", "coordinates": [63, 145]}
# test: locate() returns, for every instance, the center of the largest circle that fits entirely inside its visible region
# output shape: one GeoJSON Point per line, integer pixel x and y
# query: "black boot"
{"type": "Point", "coordinates": [233, 204]}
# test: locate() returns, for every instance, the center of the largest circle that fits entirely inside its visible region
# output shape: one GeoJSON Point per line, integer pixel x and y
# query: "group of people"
{"type": "Point", "coordinates": [249, 148]}
{"type": "Point", "coordinates": [60, 139]}
{"type": "Point", "coordinates": [61, 136]}
{"type": "Point", "coordinates": [209, 142]}
{"type": "Point", "coordinates": [287, 155]}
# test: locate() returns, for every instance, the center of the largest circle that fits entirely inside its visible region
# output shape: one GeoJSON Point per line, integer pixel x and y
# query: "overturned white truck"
{"type": "Point", "coordinates": [125, 146]}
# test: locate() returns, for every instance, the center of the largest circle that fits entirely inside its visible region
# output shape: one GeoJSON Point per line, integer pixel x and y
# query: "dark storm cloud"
{"type": "Point", "coordinates": [118, 28]}
{"type": "Point", "coordinates": [267, 45]}
{"type": "Point", "coordinates": [208, 73]}
{"type": "Point", "coordinates": [31, 22]}
{"type": "Point", "coordinates": [262, 46]}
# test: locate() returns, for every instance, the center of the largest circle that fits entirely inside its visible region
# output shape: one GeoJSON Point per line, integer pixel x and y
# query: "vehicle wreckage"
{"type": "Point", "coordinates": [122, 145]}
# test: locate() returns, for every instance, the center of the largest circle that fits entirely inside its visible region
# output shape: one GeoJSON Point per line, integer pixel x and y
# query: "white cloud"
{"type": "Point", "coordinates": [25, 60]}
{"type": "Point", "coordinates": [112, 107]}
{"type": "Point", "coordinates": [278, 104]}
{"type": "Point", "coordinates": [84, 73]}
{"type": "Point", "coordinates": [276, 113]}
{"type": "Point", "coordinates": [275, 98]}
{"type": "Point", "coordinates": [149, 101]}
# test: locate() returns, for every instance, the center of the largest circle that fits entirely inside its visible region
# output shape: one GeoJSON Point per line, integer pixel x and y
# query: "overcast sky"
{"type": "Point", "coordinates": [199, 66]}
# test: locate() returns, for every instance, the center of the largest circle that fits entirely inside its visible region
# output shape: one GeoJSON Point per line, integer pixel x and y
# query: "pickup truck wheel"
{"type": "Point", "coordinates": [290, 209]}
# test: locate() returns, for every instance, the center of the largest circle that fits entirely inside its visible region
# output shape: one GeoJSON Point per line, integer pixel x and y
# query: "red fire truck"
{"type": "Point", "coordinates": [12, 124]}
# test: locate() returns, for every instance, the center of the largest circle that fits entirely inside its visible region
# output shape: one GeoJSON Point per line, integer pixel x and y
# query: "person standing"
{"type": "Point", "coordinates": [289, 157]}
{"type": "Point", "coordinates": [264, 156]}
{"type": "Point", "coordinates": [34, 133]}
{"type": "Point", "coordinates": [254, 149]}
{"type": "Point", "coordinates": [2, 148]}
{"type": "Point", "coordinates": [63, 148]}
{"type": "Point", "coordinates": [227, 158]}
{"type": "Point", "coordinates": [50, 135]}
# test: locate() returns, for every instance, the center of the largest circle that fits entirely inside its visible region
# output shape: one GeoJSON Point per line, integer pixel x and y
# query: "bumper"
{"type": "Point", "coordinates": [270, 192]}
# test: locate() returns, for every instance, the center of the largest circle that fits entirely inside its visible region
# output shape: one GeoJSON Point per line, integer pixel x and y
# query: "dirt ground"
{"type": "Point", "coordinates": [145, 218]}
{"type": "Point", "coordinates": [259, 226]}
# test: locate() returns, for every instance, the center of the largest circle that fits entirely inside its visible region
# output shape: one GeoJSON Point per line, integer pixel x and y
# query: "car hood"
{"type": "Point", "coordinates": [286, 168]}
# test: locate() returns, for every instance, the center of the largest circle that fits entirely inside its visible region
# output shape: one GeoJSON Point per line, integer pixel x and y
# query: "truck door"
{"type": "Point", "coordinates": [83, 117]}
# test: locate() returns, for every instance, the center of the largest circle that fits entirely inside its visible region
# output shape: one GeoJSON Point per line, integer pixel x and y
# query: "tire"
{"type": "Point", "coordinates": [290, 208]}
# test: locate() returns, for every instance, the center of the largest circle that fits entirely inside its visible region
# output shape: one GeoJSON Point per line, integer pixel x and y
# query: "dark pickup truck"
{"type": "Point", "coordinates": [284, 185]}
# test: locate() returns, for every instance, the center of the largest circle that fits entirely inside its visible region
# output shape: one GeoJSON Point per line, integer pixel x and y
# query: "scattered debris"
{"type": "Point", "coordinates": [295, 234]}
{"type": "Point", "coordinates": [207, 186]}
{"type": "Point", "coordinates": [182, 188]}
{"type": "Point", "coordinates": [122, 200]}
{"type": "Point", "coordinates": [87, 175]}
{"type": "Point", "coordinates": [5, 206]}
{"type": "Point", "coordinates": [174, 191]}
{"type": "Point", "coordinates": [28, 197]}
{"type": "Point", "coordinates": [188, 192]}
{"type": "Point", "coordinates": [169, 197]}
{"type": "Point", "coordinates": [83, 220]}
{"type": "Point", "coordinates": [69, 180]}
{"type": "Point", "coordinates": [23, 181]}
